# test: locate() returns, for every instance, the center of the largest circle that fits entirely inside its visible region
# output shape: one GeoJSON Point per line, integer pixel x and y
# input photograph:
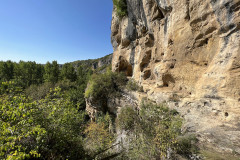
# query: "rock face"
{"type": "Point", "coordinates": [101, 62]}
{"type": "Point", "coordinates": [188, 52]}
{"type": "Point", "coordinates": [113, 104]}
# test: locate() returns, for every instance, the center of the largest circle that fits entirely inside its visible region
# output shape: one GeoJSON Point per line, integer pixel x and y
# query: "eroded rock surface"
{"type": "Point", "coordinates": [189, 50]}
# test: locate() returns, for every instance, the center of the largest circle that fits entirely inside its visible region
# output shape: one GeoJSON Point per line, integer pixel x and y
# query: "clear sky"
{"type": "Point", "coordinates": [62, 30]}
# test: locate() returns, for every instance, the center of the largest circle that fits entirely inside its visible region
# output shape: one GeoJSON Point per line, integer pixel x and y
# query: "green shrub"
{"type": "Point", "coordinates": [132, 85]}
{"type": "Point", "coordinates": [103, 86]}
{"type": "Point", "coordinates": [9, 87]}
{"type": "Point", "coordinates": [187, 145]}
{"type": "Point", "coordinates": [39, 92]}
{"type": "Point", "coordinates": [64, 126]}
{"type": "Point", "coordinates": [127, 118]}
{"type": "Point", "coordinates": [76, 96]}
{"type": "Point", "coordinates": [99, 136]}
{"type": "Point", "coordinates": [121, 7]}
{"type": "Point", "coordinates": [152, 132]}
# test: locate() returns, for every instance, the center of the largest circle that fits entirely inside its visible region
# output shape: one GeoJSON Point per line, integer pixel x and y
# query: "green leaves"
{"type": "Point", "coordinates": [152, 130]}
{"type": "Point", "coordinates": [121, 7]}
{"type": "Point", "coordinates": [68, 72]}
{"type": "Point", "coordinates": [102, 86]}
{"type": "Point", "coordinates": [132, 85]}
{"type": "Point", "coordinates": [127, 118]}
{"type": "Point", "coordinates": [99, 137]}
{"type": "Point", "coordinates": [18, 128]}
{"type": "Point", "coordinates": [52, 72]}
{"type": "Point", "coordinates": [45, 128]}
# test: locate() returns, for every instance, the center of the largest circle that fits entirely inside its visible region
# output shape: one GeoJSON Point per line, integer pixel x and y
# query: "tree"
{"type": "Point", "coordinates": [55, 71]}
{"type": "Point", "coordinates": [52, 72]}
{"type": "Point", "coordinates": [28, 73]}
{"type": "Point", "coordinates": [39, 72]}
{"type": "Point", "coordinates": [6, 70]}
{"type": "Point", "coordinates": [101, 87]}
{"type": "Point", "coordinates": [83, 74]}
{"type": "Point", "coordinates": [68, 72]}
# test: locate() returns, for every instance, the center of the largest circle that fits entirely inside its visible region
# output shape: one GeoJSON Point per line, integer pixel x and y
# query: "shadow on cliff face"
{"type": "Point", "coordinates": [167, 79]}
{"type": "Point", "coordinates": [125, 66]}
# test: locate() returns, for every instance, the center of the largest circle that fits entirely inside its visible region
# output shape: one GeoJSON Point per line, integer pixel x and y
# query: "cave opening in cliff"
{"type": "Point", "coordinates": [167, 79]}
{"type": "Point", "coordinates": [145, 60]}
{"type": "Point", "coordinates": [157, 14]}
{"type": "Point", "coordinates": [226, 114]}
{"type": "Point", "coordinates": [146, 74]}
{"type": "Point", "coordinates": [126, 67]}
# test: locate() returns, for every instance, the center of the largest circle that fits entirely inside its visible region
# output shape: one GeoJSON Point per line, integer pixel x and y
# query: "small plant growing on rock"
{"type": "Point", "coordinates": [187, 145]}
{"type": "Point", "coordinates": [132, 85]}
{"type": "Point", "coordinates": [174, 98]}
{"type": "Point", "coordinates": [121, 7]}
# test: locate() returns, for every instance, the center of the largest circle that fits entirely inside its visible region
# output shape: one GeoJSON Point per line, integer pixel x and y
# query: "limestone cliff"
{"type": "Point", "coordinates": [186, 52]}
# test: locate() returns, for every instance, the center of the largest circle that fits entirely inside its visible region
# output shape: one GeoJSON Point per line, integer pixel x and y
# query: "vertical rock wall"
{"type": "Point", "coordinates": [186, 51]}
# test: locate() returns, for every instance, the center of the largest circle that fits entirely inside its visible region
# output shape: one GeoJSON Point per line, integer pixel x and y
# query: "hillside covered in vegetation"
{"type": "Point", "coordinates": [43, 116]}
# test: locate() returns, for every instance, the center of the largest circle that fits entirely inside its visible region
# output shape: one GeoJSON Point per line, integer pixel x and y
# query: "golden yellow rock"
{"type": "Point", "coordinates": [187, 50]}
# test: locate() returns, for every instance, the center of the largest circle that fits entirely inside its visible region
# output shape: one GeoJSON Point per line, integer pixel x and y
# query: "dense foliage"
{"type": "Point", "coordinates": [101, 87]}
{"type": "Point", "coordinates": [132, 85]}
{"type": "Point", "coordinates": [23, 73]}
{"type": "Point", "coordinates": [37, 79]}
{"type": "Point", "coordinates": [42, 111]}
{"type": "Point", "coordinates": [42, 116]}
{"type": "Point", "coordinates": [68, 72]}
{"type": "Point", "coordinates": [105, 85]}
{"type": "Point", "coordinates": [152, 132]}
{"type": "Point", "coordinates": [50, 128]}
{"type": "Point", "coordinates": [43, 129]}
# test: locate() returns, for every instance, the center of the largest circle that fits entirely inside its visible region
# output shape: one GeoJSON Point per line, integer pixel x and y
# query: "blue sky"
{"type": "Point", "coordinates": [62, 30]}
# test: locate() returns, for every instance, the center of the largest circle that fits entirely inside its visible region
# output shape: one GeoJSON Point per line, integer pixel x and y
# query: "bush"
{"type": "Point", "coordinates": [64, 126]}
{"type": "Point", "coordinates": [121, 7]}
{"type": "Point", "coordinates": [76, 95]}
{"type": "Point", "coordinates": [152, 133]}
{"type": "Point", "coordinates": [103, 86]}
{"type": "Point", "coordinates": [9, 87]}
{"type": "Point", "coordinates": [132, 85]}
{"type": "Point", "coordinates": [100, 137]}
{"type": "Point", "coordinates": [127, 118]}
{"type": "Point", "coordinates": [39, 92]}
{"type": "Point", "coordinates": [187, 145]}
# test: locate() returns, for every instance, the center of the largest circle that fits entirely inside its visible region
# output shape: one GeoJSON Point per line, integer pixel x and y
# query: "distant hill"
{"type": "Point", "coordinates": [96, 64]}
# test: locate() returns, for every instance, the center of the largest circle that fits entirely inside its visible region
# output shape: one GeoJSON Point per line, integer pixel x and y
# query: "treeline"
{"type": "Point", "coordinates": [31, 73]}
{"type": "Point", "coordinates": [37, 80]}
